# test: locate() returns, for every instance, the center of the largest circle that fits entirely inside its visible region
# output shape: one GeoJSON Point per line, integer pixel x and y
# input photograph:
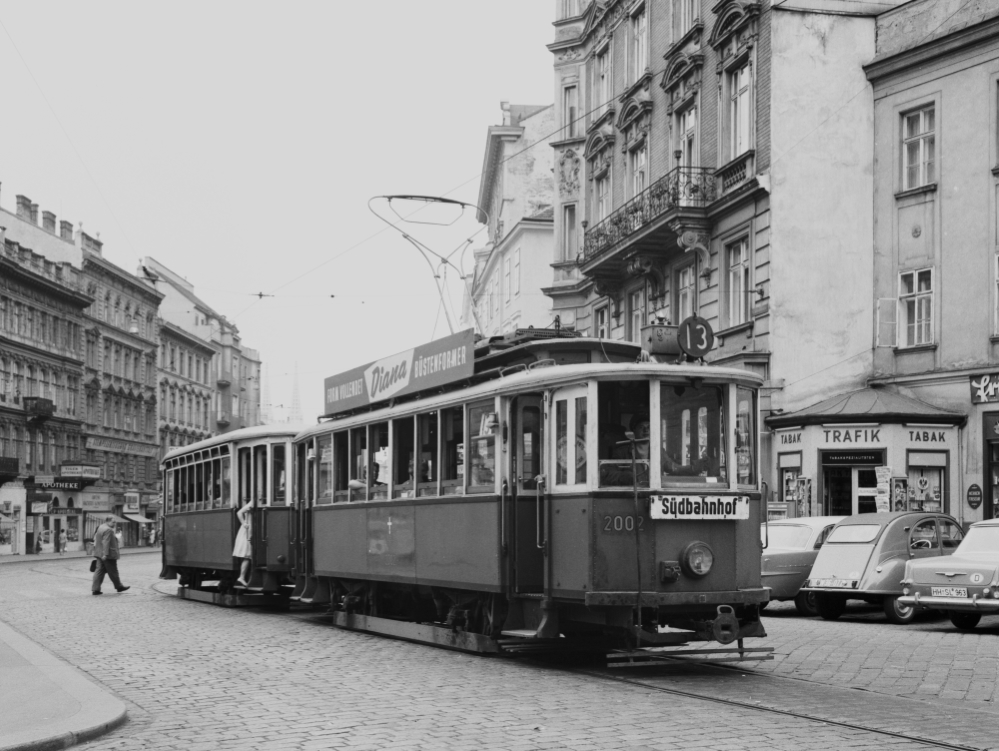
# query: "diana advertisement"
{"type": "Point", "coordinates": [435, 364]}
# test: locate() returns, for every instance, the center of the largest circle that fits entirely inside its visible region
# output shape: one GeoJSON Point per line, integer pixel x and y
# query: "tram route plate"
{"type": "Point", "coordinates": [948, 591]}
{"type": "Point", "coordinates": [681, 507]}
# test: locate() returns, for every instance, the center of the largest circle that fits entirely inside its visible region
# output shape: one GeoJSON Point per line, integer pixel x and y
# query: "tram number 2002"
{"type": "Point", "coordinates": [622, 523]}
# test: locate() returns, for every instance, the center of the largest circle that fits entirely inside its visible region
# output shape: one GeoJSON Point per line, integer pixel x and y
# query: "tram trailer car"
{"type": "Point", "coordinates": [506, 503]}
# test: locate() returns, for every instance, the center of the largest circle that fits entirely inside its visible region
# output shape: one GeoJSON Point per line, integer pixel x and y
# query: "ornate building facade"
{"type": "Point", "coordinates": [186, 387]}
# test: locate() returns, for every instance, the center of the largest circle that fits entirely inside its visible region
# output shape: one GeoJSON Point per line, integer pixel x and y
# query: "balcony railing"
{"type": "Point", "coordinates": [682, 187]}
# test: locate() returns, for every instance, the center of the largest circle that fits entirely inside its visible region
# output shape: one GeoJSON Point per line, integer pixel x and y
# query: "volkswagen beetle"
{"type": "Point", "coordinates": [965, 586]}
{"type": "Point", "coordinates": [865, 556]}
{"type": "Point", "coordinates": [791, 547]}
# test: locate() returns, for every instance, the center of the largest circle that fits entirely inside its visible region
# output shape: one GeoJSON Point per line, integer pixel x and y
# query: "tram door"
{"type": "Point", "coordinates": [528, 502]}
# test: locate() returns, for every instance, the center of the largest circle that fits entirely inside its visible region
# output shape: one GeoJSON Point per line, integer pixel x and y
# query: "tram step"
{"type": "Point", "coordinates": [522, 633]}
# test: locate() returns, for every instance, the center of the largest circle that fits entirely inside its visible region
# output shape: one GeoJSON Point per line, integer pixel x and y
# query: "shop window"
{"type": "Point", "coordinates": [278, 475]}
{"type": "Point", "coordinates": [925, 488]}
{"type": "Point", "coordinates": [691, 434]}
{"type": "Point", "coordinates": [380, 463]}
{"type": "Point", "coordinates": [482, 427]}
{"type": "Point", "coordinates": [427, 457]}
{"type": "Point", "coordinates": [453, 448]}
{"type": "Point", "coordinates": [404, 460]}
{"type": "Point", "coordinates": [622, 407]}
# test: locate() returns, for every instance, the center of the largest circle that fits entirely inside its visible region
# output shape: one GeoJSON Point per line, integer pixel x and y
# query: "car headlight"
{"type": "Point", "coordinates": [697, 559]}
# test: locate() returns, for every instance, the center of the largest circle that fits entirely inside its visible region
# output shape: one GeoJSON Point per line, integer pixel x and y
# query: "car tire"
{"type": "Point", "coordinates": [965, 621]}
{"type": "Point", "coordinates": [830, 607]}
{"type": "Point", "coordinates": [898, 613]}
{"type": "Point", "coordinates": [806, 604]}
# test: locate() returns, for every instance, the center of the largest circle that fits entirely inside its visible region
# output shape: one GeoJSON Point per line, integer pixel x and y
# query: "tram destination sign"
{"type": "Point", "coordinates": [426, 366]}
{"type": "Point", "coordinates": [684, 507]}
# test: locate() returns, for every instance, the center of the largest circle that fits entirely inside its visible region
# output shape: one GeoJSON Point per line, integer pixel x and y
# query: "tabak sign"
{"type": "Point", "coordinates": [429, 365]}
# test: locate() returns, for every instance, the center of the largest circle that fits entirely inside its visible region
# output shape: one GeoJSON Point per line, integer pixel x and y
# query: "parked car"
{"type": "Point", "coordinates": [865, 555]}
{"type": "Point", "coordinates": [966, 586]}
{"type": "Point", "coordinates": [791, 547]}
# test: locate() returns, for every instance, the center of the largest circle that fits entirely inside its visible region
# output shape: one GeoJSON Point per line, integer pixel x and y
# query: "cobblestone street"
{"type": "Point", "coordinates": [200, 677]}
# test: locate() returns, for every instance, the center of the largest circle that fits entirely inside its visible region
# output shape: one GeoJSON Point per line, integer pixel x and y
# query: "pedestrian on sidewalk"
{"type": "Point", "coordinates": [62, 542]}
{"type": "Point", "coordinates": [106, 553]}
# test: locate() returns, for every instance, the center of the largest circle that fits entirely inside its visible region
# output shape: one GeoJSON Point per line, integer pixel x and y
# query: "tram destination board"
{"type": "Point", "coordinates": [426, 366]}
{"type": "Point", "coordinates": [699, 507]}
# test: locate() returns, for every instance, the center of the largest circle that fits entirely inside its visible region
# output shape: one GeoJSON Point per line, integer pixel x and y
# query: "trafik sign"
{"type": "Point", "coordinates": [434, 364]}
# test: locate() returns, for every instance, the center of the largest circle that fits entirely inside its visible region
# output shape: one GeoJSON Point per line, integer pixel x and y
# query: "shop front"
{"type": "Point", "coordinates": [866, 451]}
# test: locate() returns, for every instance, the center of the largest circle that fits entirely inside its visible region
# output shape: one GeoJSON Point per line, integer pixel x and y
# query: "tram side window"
{"type": "Point", "coordinates": [219, 501]}
{"type": "Point", "coordinates": [482, 426]}
{"type": "Point", "coordinates": [358, 464]}
{"type": "Point", "coordinates": [404, 461]}
{"type": "Point", "coordinates": [226, 491]}
{"type": "Point", "coordinates": [304, 467]}
{"type": "Point", "coordinates": [209, 487]}
{"type": "Point", "coordinates": [623, 406]}
{"type": "Point", "coordinates": [341, 468]}
{"type": "Point", "coordinates": [260, 474]}
{"type": "Point", "coordinates": [745, 436]}
{"type": "Point", "coordinates": [199, 486]}
{"type": "Point", "coordinates": [427, 454]}
{"type": "Point", "coordinates": [245, 474]}
{"type": "Point", "coordinates": [380, 466]}
{"type": "Point", "coordinates": [171, 498]}
{"type": "Point", "coordinates": [325, 454]}
{"type": "Point", "coordinates": [691, 433]}
{"type": "Point", "coordinates": [278, 475]}
{"type": "Point", "coordinates": [189, 488]}
{"type": "Point", "coordinates": [453, 450]}
{"type": "Point", "coordinates": [570, 453]}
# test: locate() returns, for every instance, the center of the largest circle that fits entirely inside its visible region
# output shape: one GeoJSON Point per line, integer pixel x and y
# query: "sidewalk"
{"type": "Point", "coordinates": [47, 703]}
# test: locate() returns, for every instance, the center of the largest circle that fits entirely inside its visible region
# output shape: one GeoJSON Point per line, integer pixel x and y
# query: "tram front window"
{"type": "Point", "coordinates": [623, 406]}
{"type": "Point", "coordinates": [692, 420]}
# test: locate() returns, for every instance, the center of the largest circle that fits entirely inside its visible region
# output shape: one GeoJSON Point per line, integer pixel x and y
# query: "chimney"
{"type": "Point", "coordinates": [34, 214]}
{"type": "Point", "coordinates": [66, 230]}
{"type": "Point", "coordinates": [49, 221]}
{"type": "Point", "coordinates": [505, 107]}
{"type": "Point", "coordinates": [24, 208]}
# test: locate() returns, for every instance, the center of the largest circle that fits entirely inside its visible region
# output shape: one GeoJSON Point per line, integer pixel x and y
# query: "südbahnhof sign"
{"type": "Point", "coordinates": [430, 365]}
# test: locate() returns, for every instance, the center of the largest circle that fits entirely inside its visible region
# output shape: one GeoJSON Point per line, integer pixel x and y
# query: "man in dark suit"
{"type": "Point", "coordinates": [106, 553]}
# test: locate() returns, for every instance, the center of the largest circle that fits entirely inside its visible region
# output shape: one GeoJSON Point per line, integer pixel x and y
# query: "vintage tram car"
{"type": "Point", "coordinates": [553, 487]}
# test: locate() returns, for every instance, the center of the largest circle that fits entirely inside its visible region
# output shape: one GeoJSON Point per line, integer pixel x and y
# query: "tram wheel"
{"type": "Point", "coordinates": [965, 621]}
{"type": "Point", "coordinates": [830, 607]}
{"type": "Point", "coordinates": [805, 604]}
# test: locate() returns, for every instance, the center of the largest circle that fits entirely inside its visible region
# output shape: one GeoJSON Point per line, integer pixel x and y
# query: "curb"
{"type": "Point", "coordinates": [97, 710]}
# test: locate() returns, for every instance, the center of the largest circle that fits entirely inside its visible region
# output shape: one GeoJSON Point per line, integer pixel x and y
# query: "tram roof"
{"type": "Point", "coordinates": [242, 434]}
{"type": "Point", "coordinates": [528, 379]}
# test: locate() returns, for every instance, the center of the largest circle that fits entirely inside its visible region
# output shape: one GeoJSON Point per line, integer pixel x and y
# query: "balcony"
{"type": "Point", "coordinates": [224, 379]}
{"type": "Point", "coordinates": [683, 190]}
{"type": "Point", "coordinates": [38, 408]}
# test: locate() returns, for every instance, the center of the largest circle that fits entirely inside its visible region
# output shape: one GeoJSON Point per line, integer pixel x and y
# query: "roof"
{"type": "Point", "coordinates": [546, 214]}
{"type": "Point", "coordinates": [243, 434]}
{"type": "Point", "coordinates": [867, 405]}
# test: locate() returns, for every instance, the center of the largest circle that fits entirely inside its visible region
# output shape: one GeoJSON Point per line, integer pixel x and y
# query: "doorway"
{"type": "Point", "coordinates": [849, 490]}
{"type": "Point", "coordinates": [528, 510]}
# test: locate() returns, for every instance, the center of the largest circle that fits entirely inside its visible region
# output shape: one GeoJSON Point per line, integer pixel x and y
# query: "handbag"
{"type": "Point", "coordinates": [93, 564]}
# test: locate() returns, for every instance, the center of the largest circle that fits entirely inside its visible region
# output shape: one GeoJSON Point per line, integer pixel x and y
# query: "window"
{"type": "Point", "coordinates": [506, 279]}
{"type": "Point", "coordinates": [915, 301]}
{"type": "Point", "coordinates": [745, 436]}
{"type": "Point", "coordinates": [601, 88]}
{"type": "Point", "coordinates": [918, 148]}
{"type": "Point", "coordinates": [516, 271]}
{"type": "Point", "coordinates": [637, 162]}
{"type": "Point", "coordinates": [570, 111]}
{"type": "Point", "coordinates": [738, 282]}
{"type": "Point", "coordinates": [687, 137]}
{"type": "Point", "coordinates": [379, 462]}
{"type": "Point", "coordinates": [636, 314]}
{"type": "Point", "coordinates": [404, 461]}
{"type": "Point", "coordinates": [603, 197]}
{"type": "Point", "coordinates": [453, 450]}
{"type": "Point", "coordinates": [482, 428]}
{"type": "Point", "coordinates": [570, 439]}
{"type": "Point", "coordinates": [639, 57]}
{"type": "Point", "coordinates": [569, 241]}
{"type": "Point", "coordinates": [569, 8]}
{"type": "Point", "coordinates": [692, 434]}
{"type": "Point", "coordinates": [601, 324]}
{"type": "Point", "coordinates": [685, 14]}
{"type": "Point", "coordinates": [358, 464]}
{"type": "Point", "coordinates": [622, 407]}
{"type": "Point", "coordinates": [739, 110]}
{"type": "Point", "coordinates": [340, 469]}
{"type": "Point", "coordinates": [427, 448]}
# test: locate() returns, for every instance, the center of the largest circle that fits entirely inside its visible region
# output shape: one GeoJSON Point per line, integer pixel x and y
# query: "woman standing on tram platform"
{"type": "Point", "coordinates": [242, 548]}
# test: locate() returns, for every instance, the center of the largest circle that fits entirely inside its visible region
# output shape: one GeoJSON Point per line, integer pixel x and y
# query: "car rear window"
{"type": "Point", "coordinates": [789, 535]}
{"type": "Point", "coordinates": [980, 540]}
{"type": "Point", "coordinates": [855, 533]}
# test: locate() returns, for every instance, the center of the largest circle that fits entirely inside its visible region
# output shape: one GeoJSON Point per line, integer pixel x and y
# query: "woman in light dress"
{"type": "Point", "coordinates": [242, 548]}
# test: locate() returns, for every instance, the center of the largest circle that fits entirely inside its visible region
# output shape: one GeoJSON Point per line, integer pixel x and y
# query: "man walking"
{"type": "Point", "coordinates": [106, 553]}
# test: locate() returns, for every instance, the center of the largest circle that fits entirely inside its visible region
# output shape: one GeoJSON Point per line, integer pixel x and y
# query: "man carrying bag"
{"type": "Point", "coordinates": [106, 557]}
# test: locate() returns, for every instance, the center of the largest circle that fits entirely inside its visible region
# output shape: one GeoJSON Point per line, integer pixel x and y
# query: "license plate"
{"type": "Point", "coordinates": [834, 583]}
{"type": "Point", "coordinates": [949, 591]}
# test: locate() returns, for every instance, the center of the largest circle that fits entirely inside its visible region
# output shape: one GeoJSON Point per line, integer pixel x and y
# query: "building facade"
{"type": "Point", "coordinates": [234, 369]}
{"type": "Point", "coordinates": [715, 159]}
{"type": "Point", "coordinates": [515, 197]}
{"type": "Point", "coordinates": [186, 388]}
{"type": "Point", "coordinates": [41, 374]}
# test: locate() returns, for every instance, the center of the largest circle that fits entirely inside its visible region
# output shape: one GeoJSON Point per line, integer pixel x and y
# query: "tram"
{"type": "Point", "coordinates": [537, 487]}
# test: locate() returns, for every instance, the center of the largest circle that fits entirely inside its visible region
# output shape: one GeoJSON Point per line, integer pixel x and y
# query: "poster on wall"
{"type": "Point", "coordinates": [900, 493]}
{"type": "Point", "coordinates": [883, 499]}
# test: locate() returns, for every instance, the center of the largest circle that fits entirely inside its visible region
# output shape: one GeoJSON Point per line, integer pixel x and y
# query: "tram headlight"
{"type": "Point", "coordinates": [697, 559]}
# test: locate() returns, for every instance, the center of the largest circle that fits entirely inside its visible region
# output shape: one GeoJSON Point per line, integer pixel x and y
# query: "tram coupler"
{"type": "Point", "coordinates": [725, 628]}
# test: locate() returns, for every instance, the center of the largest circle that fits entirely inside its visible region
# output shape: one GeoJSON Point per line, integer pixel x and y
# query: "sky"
{"type": "Point", "coordinates": [239, 144]}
